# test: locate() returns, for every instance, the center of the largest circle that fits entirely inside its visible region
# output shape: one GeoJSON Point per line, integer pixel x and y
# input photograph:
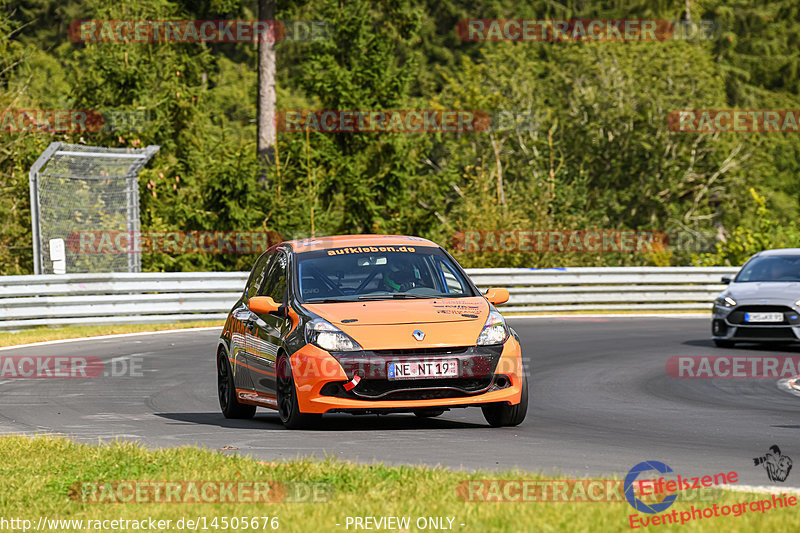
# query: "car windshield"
{"type": "Point", "coordinates": [378, 273]}
{"type": "Point", "coordinates": [771, 268]}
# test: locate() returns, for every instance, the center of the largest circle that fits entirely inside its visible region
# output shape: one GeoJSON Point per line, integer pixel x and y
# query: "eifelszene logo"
{"type": "Point", "coordinates": [661, 485]}
{"type": "Point", "coordinates": [630, 479]}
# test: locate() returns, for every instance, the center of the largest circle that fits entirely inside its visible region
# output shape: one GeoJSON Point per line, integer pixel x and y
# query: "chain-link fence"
{"type": "Point", "coordinates": [77, 189]}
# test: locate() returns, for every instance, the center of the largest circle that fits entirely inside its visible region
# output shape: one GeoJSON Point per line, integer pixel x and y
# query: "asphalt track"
{"type": "Point", "coordinates": [601, 403]}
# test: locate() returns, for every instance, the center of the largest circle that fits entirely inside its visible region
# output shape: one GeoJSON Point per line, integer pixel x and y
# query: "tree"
{"type": "Point", "coordinates": [266, 89]}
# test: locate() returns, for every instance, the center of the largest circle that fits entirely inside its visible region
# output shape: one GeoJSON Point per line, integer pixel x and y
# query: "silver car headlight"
{"type": "Point", "coordinates": [494, 331]}
{"type": "Point", "coordinates": [726, 301]}
{"type": "Point", "coordinates": [328, 337]}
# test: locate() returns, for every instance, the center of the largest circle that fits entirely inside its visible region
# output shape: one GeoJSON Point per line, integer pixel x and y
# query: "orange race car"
{"type": "Point", "coordinates": [367, 324]}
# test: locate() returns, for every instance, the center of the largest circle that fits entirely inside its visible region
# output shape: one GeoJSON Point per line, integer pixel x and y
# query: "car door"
{"type": "Point", "coordinates": [270, 328]}
{"type": "Point", "coordinates": [242, 328]}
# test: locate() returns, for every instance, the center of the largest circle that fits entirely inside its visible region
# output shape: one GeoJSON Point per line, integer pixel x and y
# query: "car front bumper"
{"type": "Point", "coordinates": [493, 375]}
{"type": "Point", "coordinates": [728, 323]}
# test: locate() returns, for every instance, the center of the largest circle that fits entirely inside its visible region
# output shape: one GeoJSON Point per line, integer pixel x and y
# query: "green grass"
{"type": "Point", "coordinates": [39, 334]}
{"type": "Point", "coordinates": [37, 473]}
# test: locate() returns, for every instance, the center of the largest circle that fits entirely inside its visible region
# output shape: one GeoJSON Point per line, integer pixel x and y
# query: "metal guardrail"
{"type": "Point", "coordinates": [605, 288]}
{"type": "Point", "coordinates": [117, 298]}
{"type": "Point", "coordinates": [175, 296]}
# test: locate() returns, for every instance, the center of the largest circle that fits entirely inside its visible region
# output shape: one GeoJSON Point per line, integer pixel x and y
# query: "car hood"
{"type": "Point", "coordinates": [389, 324]}
{"type": "Point", "coordinates": [773, 291]}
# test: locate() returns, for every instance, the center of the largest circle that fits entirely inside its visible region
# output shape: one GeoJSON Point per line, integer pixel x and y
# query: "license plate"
{"type": "Point", "coordinates": [763, 317]}
{"type": "Point", "coordinates": [445, 368]}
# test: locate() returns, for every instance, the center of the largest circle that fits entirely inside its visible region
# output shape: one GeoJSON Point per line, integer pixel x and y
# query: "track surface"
{"type": "Point", "coordinates": [602, 402]}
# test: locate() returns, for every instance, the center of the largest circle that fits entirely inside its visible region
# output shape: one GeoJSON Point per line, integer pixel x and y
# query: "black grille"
{"type": "Point", "coordinates": [737, 316]}
{"type": "Point", "coordinates": [423, 351]}
{"type": "Point", "coordinates": [473, 361]}
{"type": "Point", "coordinates": [764, 333]}
{"type": "Point", "coordinates": [380, 387]}
{"type": "Point", "coordinates": [430, 394]}
{"type": "Point", "coordinates": [415, 389]}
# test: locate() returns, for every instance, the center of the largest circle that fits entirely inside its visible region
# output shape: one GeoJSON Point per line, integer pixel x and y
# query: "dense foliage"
{"type": "Point", "coordinates": [579, 138]}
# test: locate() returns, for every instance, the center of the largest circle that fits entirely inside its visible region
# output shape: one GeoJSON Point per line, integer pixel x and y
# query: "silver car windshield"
{"type": "Point", "coordinates": [771, 268]}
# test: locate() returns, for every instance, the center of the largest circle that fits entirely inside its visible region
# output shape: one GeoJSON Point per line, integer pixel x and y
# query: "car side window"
{"type": "Point", "coordinates": [258, 275]}
{"type": "Point", "coordinates": [276, 282]}
{"type": "Point", "coordinates": [452, 284]}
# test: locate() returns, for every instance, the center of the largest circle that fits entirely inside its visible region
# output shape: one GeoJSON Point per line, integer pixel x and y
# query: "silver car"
{"type": "Point", "coordinates": [761, 302]}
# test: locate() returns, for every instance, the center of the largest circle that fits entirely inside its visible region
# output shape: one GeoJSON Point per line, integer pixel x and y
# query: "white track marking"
{"type": "Point", "coordinates": [104, 337]}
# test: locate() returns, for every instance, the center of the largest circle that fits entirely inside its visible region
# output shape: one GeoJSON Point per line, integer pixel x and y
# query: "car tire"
{"type": "Point", "coordinates": [429, 413]}
{"type": "Point", "coordinates": [226, 392]}
{"type": "Point", "coordinates": [288, 406]}
{"type": "Point", "coordinates": [720, 343]}
{"type": "Point", "coordinates": [501, 414]}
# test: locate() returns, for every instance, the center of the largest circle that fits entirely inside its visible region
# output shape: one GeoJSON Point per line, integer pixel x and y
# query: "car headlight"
{"type": "Point", "coordinates": [494, 331]}
{"type": "Point", "coordinates": [328, 337]}
{"type": "Point", "coordinates": [727, 301]}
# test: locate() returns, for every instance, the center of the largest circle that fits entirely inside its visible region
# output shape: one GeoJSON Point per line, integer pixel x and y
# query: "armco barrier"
{"type": "Point", "coordinates": [175, 296]}
{"type": "Point", "coordinates": [117, 298]}
{"type": "Point", "coordinates": [605, 288]}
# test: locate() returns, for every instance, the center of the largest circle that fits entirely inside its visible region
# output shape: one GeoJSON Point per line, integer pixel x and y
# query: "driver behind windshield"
{"type": "Point", "coordinates": [778, 270]}
{"type": "Point", "coordinates": [783, 270]}
{"type": "Point", "coordinates": [400, 276]}
{"type": "Point", "coordinates": [771, 269]}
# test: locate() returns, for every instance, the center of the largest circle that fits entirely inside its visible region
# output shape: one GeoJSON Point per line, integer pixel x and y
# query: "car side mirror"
{"type": "Point", "coordinates": [726, 280]}
{"type": "Point", "coordinates": [497, 296]}
{"type": "Point", "coordinates": [262, 305]}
